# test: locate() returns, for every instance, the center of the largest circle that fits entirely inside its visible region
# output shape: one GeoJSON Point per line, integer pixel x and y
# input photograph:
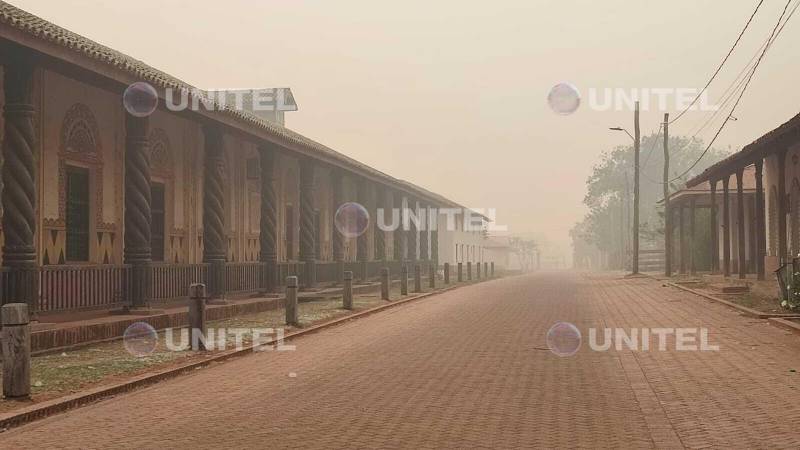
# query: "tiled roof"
{"type": "Point", "coordinates": [39, 28]}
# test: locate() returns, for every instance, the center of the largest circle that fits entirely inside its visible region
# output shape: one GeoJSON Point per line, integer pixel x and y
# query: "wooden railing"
{"type": "Point", "coordinates": [244, 276]}
{"type": "Point", "coordinates": [171, 281]}
{"type": "Point", "coordinates": [79, 287]}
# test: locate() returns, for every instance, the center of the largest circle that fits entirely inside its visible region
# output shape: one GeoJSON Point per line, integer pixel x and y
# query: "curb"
{"type": "Point", "coordinates": [785, 324]}
{"type": "Point", "coordinates": [62, 404]}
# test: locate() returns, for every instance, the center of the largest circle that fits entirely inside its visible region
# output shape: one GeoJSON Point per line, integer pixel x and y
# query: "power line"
{"type": "Point", "coordinates": [773, 36]}
{"type": "Point", "coordinates": [716, 72]}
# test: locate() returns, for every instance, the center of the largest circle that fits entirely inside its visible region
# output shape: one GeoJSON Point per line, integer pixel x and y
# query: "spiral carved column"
{"type": "Point", "coordinates": [137, 210]}
{"type": "Point", "coordinates": [398, 234]}
{"type": "Point", "coordinates": [214, 243]}
{"type": "Point", "coordinates": [423, 234]}
{"type": "Point", "coordinates": [307, 253]}
{"type": "Point", "coordinates": [19, 176]}
{"type": "Point", "coordinates": [433, 225]}
{"type": "Point", "coordinates": [380, 235]}
{"type": "Point", "coordinates": [413, 233]}
{"type": "Point", "coordinates": [362, 249]}
{"type": "Point", "coordinates": [268, 228]}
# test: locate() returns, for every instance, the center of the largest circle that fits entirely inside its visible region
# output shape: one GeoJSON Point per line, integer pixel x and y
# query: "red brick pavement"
{"type": "Point", "coordinates": [470, 368]}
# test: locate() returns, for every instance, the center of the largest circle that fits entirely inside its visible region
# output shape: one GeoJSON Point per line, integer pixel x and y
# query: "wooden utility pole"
{"type": "Point", "coordinates": [636, 142]}
{"type": "Point", "coordinates": [667, 212]}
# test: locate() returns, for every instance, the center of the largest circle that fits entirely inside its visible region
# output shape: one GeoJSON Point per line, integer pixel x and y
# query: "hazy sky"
{"type": "Point", "coordinates": [451, 95]}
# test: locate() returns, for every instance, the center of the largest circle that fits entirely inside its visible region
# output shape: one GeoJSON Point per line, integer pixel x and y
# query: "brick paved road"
{"type": "Point", "coordinates": [470, 368]}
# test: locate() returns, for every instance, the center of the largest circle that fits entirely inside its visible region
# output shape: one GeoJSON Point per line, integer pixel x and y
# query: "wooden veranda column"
{"type": "Point", "coordinates": [20, 147]}
{"type": "Point", "coordinates": [726, 227]}
{"type": "Point", "coordinates": [380, 235]}
{"type": "Point", "coordinates": [692, 235]}
{"type": "Point", "coordinates": [714, 228]}
{"type": "Point", "coordinates": [668, 211]}
{"type": "Point", "coordinates": [399, 233]}
{"type": "Point", "coordinates": [137, 251]}
{"type": "Point", "coordinates": [337, 240]}
{"type": "Point", "coordinates": [424, 234]}
{"type": "Point", "coordinates": [682, 237]}
{"type": "Point", "coordinates": [782, 244]}
{"type": "Point", "coordinates": [214, 241]}
{"type": "Point", "coordinates": [307, 250]}
{"type": "Point", "coordinates": [761, 226]}
{"type": "Point", "coordinates": [742, 246]}
{"type": "Point", "coordinates": [268, 227]}
{"type": "Point", "coordinates": [413, 233]}
{"type": "Point", "coordinates": [434, 226]}
{"type": "Point", "coordinates": [362, 249]}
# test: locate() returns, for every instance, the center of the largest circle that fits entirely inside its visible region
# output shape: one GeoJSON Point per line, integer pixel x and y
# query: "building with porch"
{"type": "Point", "coordinates": [103, 208]}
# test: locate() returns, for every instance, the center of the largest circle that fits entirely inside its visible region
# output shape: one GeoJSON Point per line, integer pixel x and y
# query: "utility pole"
{"type": "Point", "coordinates": [667, 212]}
{"type": "Point", "coordinates": [636, 142]}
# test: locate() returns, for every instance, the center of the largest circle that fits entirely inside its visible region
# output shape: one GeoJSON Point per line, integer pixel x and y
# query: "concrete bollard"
{"type": "Point", "coordinates": [431, 276]}
{"type": "Point", "coordinates": [446, 273]}
{"type": "Point", "coordinates": [16, 342]}
{"type": "Point", "coordinates": [197, 315]}
{"type": "Point", "coordinates": [385, 283]}
{"type": "Point", "coordinates": [460, 272]}
{"type": "Point", "coordinates": [478, 270]}
{"type": "Point", "coordinates": [404, 280]}
{"type": "Point", "coordinates": [417, 278]}
{"type": "Point", "coordinates": [492, 269]}
{"type": "Point", "coordinates": [469, 270]}
{"type": "Point", "coordinates": [486, 269]}
{"type": "Point", "coordinates": [347, 290]}
{"type": "Point", "coordinates": [291, 300]}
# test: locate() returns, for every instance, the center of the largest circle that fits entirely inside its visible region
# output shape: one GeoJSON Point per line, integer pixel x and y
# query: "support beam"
{"type": "Point", "coordinates": [782, 244]}
{"type": "Point", "coordinates": [307, 248]}
{"type": "Point", "coordinates": [137, 251]}
{"type": "Point", "coordinates": [692, 235]}
{"type": "Point", "coordinates": [214, 242]}
{"type": "Point", "coordinates": [761, 225]}
{"type": "Point", "coordinates": [714, 229]}
{"type": "Point", "coordinates": [20, 147]}
{"type": "Point", "coordinates": [268, 227]}
{"type": "Point", "coordinates": [726, 227]}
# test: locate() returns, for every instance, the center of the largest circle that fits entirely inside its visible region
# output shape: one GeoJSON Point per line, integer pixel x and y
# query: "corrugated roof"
{"type": "Point", "coordinates": [46, 31]}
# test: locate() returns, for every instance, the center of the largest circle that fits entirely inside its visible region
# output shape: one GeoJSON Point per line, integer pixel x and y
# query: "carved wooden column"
{"type": "Point", "coordinates": [380, 235]}
{"type": "Point", "coordinates": [362, 249]}
{"type": "Point", "coordinates": [692, 235]}
{"type": "Point", "coordinates": [434, 227]}
{"type": "Point", "coordinates": [726, 227]}
{"type": "Point", "coordinates": [214, 241]}
{"type": "Point", "coordinates": [337, 239]}
{"type": "Point", "coordinates": [268, 227]}
{"type": "Point", "coordinates": [423, 234]}
{"type": "Point", "coordinates": [742, 247]}
{"type": "Point", "coordinates": [20, 147]}
{"type": "Point", "coordinates": [137, 250]}
{"type": "Point", "coordinates": [714, 228]}
{"type": "Point", "coordinates": [782, 245]}
{"type": "Point", "coordinates": [399, 233]}
{"type": "Point", "coordinates": [682, 237]}
{"type": "Point", "coordinates": [761, 226]}
{"type": "Point", "coordinates": [412, 233]}
{"type": "Point", "coordinates": [307, 253]}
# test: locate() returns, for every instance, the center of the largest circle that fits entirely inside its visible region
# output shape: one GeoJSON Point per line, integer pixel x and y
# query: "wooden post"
{"type": "Point", "coordinates": [291, 300]}
{"type": "Point", "coordinates": [714, 229]}
{"type": "Point", "coordinates": [431, 275]}
{"type": "Point", "coordinates": [486, 269]}
{"type": "Point", "coordinates": [446, 273]}
{"type": "Point", "coordinates": [404, 280]}
{"type": "Point", "coordinates": [636, 146]}
{"type": "Point", "coordinates": [478, 270]}
{"type": "Point", "coordinates": [469, 270]}
{"type": "Point", "coordinates": [268, 226]}
{"type": "Point", "coordinates": [667, 210]}
{"type": "Point", "coordinates": [197, 315]}
{"type": "Point", "coordinates": [692, 236]}
{"type": "Point", "coordinates": [460, 272]}
{"type": "Point", "coordinates": [726, 227]}
{"type": "Point", "coordinates": [417, 278]}
{"type": "Point", "coordinates": [682, 238]}
{"type": "Point", "coordinates": [782, 244]}
{"type": "Point", "coordinates": [742, 247]}
{"type": "Point", "coordinates": [761, 227]}
{"type": "Point", "coordinates": [16, 337]}
{"type": "Point", "coordinates": [385, 283]}
{"type": "Point", "coordinates": [347, 290]}
{"type": "Point", "coordinates": [492, 269]}
{"type": "Point", "coordinates": [215, 243]}
{"type": "Point", "coordinates": [307, 233]}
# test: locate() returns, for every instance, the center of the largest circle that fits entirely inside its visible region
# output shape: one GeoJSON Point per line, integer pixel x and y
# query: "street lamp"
{"type": "Point", "coordinates": [636, 145]}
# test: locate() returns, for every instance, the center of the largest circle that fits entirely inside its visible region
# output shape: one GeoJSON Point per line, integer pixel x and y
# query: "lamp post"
{"type": "Point", "coordinates": [636, 143]}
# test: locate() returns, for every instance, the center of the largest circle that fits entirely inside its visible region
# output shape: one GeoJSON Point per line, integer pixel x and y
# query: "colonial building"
{"type": "Point", "coordinates": [101, 207]}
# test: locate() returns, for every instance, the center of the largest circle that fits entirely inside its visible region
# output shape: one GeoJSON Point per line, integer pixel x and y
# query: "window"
{"type": "Point", "coordinates": [77, 212]}
{"type": "Point", "coordinates": [289, 227]}
{"type": "Point", "coordinates": [157, 221]}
